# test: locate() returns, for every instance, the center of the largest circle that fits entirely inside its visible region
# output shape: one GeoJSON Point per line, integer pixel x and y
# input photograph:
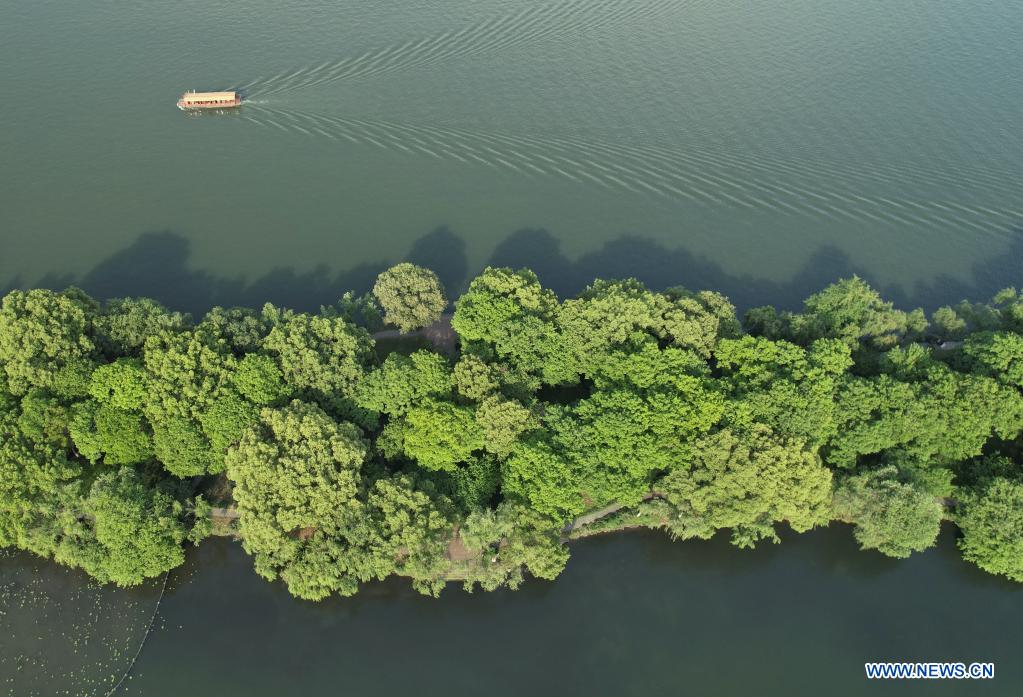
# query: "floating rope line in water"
{"type": "Point", "coordinates": [142, 644]}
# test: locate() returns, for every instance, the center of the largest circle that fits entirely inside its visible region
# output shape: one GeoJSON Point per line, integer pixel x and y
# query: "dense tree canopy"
{"type": "Point", "coordinates": [892, 517]}
{"type": "Point", "coordinates": [136, 530]}
{"type": "Point", "coordinates": [849, 310]}
{"type": "Point", "coordinates": [411, 296]}
{"type": "Point", "coordinates": [747, 482]}
{"type": "Point", "coordinates": [620, 406]}
{"type": "Point", "coordinates": [296, 476]}
{"type": "Point", "coordinates": [506, 316]}
{"type": "Point", "coordinates": [321, 356]}
{"type": "Point", "coordinates": [42, 332]}
{"type": "Point", "coordinates": [991, 519]}
{"type": "Point", "coordinates": [124, 325]}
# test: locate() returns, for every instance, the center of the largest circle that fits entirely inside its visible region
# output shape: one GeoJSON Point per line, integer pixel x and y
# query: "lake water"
{"type": "Point", "coordinates": [760, 149]}
{"type": "Point", "coordinates": [633, 614]}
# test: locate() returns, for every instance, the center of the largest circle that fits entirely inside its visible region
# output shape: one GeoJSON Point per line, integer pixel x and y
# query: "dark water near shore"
{"type": "Point", "coordinates": [633, 614]}
{"type": "Point", "coordinates": [760, 149]}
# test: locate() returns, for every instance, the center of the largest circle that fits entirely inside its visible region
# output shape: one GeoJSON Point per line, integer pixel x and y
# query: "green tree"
{"type": "Point", "coordinates": [998, 354]}
{"type": "Point", "coordinates": [363, 310]}
{"type": "Point", "coordinates": [136, 529]}
{"type": "Point", "coordinates": [323, 358]}
{"type": "Point", "coordinates": [476, 482]}
{"type": "Point", "coordinates": [259, 379]}
{"type": "Point", "coordinates": [124, 325]}
{"type": "Point", "coordinates": [72, 380]}
{"type": "Point", "coordinates": [633, 427]}
{"type": "Point", "coordinates": [41, 332]}
{"type": "Point", "coordinates": [791, 389]}
{"type": "Point", "coordinates": [503, 421]}
{"type": "Point", "coordinates": [940, 414]}
{"type": "Point", "coordinates": [238, 330]}
{"type": "Point", "coordinates": [122, 384]}
{"type": "Point", "coordinates": [948, 324]}
{"type": "Point", "coordinates": [403, 381]}
{"type": "Point", "coordinates": [542, 476]}
{"type": "Point", "coordinates": [413, 527]}
{"type": "Point", "coordinates": [890, 516]}
{"type": "Point", "coordinates": [611, 315]}
{"type": "Point", "coordinates": [508, 314]}
{"type": "Point", "coordinates": [296, 480]}
{"type": "Point", "coordinates": [182, 447]}
{"type": "Point", "coordinates": [697, 321]}
{"type": "Point", "coordinates": [115, 436]}
{"type": "Point", "coordinates": [186, 372]}
{"type": "Point", "coordinates": [1004, 312]}
{"type": "Point", "coordinates": [438, 435]}
{"type": "Point", "coordinates": [474, 378]}
{"type": "Point", "coordinates": [32, 475]}
{"type": "Point", "coordinates": [224, 422]}
{"type": "Point", "coordinates": [990, 517]}
{"type": "Point", "coordinates": [509, 540]}
{"type": "Point", "coordinates": [411, 296]}
{"type": "Point", "coordinates": [849, 310]}
{"type": "Point", "coordinates": [1008, 303]}
{"type": "Point", "coordinates": [44, 419]}
{"type": "Point", "coordinates": [747, 482]}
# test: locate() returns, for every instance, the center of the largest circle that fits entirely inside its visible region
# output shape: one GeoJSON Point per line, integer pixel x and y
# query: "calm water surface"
{"type": "Point", "coordinates": [634, 614]}
{"type": "Point", "coordinates": [752, 147]}
{"type": "Point", "coordinates": [762, 149]}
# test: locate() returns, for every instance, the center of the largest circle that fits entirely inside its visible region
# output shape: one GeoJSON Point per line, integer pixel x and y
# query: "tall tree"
{"type": "Point", "coordinates": [411, 296]}
{"type": "Point", "coordinates": [124, 325]}
{"type": "Point", "coordinates": [990, 516]}
{"type": "Point", "coordinates": [323, 358]}
{"type": "Point", "coordinates": [136, 530]}
{"type": "Point", "coordinates": [41, 332]}
{"type": "Point", "coordinates": [849, 310]}
{"type": "Point", "coordinates": [890, 516]}
{"type": "Point", "coordinates": [296, 480]}
{"type": "Point", "coordinates": [747, 482]}
{"type": "Point", "coordinates": [509, 316]}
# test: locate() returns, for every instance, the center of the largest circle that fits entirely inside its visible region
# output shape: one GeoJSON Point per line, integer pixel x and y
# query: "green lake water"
{"type": "Point", "coordinates": [633, 614]}
{"type": "Point", "coordinates": [762, 149]}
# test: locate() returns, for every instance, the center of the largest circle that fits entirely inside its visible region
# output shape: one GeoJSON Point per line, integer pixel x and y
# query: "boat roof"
{"type": "Point", "coordinates": [209, 95]}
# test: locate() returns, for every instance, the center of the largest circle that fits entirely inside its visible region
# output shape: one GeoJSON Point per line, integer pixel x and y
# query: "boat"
{"type": "Point", "coordinates": [209, 100]}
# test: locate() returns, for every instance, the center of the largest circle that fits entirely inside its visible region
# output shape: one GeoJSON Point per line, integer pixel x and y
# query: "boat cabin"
{"type": "Point", "coordinates": [209, 100]}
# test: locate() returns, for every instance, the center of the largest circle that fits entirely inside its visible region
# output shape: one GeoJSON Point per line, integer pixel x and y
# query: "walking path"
{"type": "Point", "coordinates": [225, 513]}
{"type": "Point", "coordinates": [440, 334]}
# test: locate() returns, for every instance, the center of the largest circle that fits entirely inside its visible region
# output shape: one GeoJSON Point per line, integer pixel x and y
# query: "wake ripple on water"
{"type": "Point", "coordinates": [536, 23]}
{"type": "Point", "coordinates": [701, 177]}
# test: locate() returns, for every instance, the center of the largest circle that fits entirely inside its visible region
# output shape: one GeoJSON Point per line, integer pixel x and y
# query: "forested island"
{"type": "Point", "coordinates": [128, 430]}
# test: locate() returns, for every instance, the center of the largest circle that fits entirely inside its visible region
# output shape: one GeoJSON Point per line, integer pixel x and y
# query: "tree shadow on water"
{"type": "Point", "coordinates": [659, 267]}
{"type": "Point", "coordinates": [156, 265]}
{"type": "Point", "coordinates": [634, 256]}
{"type": "Point", "coordinates": [444, 252]}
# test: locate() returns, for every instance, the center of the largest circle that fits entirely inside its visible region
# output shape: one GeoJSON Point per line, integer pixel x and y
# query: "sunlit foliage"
{"type": "Point", "coordinates": [621, 406]}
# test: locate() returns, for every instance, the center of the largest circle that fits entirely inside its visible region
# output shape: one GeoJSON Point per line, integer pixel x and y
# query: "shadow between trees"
{"type": "Point", "coordinates": [157, 265]}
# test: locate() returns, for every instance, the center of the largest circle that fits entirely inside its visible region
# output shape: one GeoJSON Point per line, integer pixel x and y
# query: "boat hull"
{"type": "Point", "coordinates": [185, 106]}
